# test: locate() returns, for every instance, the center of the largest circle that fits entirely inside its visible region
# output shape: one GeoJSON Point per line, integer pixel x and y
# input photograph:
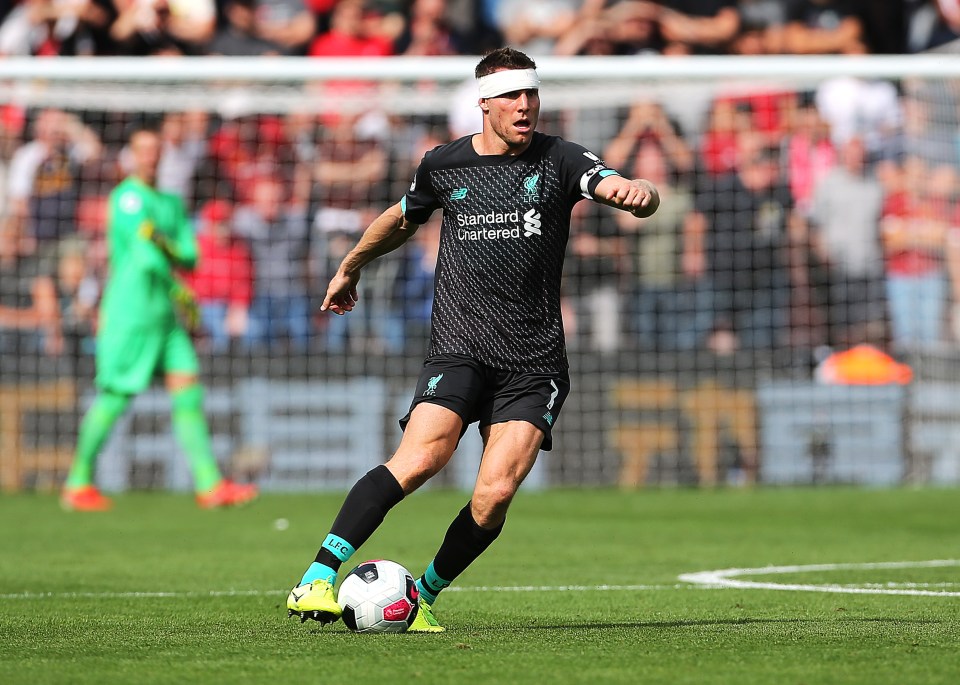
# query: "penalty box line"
{"type": "Point", "coordinates": [730, 578]}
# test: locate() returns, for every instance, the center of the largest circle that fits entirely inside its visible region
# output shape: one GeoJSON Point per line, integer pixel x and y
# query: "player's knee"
{"type": "Point", "coordinates": [414, 469]}
{"type": "Point", "coordinates": [490, 513]}
{"type": "Point", "coordinates": [110, 404]}
{"type": "Point", "coordinates": [189, 398]}
{"type": "Point", "coordinates": [492, 499]}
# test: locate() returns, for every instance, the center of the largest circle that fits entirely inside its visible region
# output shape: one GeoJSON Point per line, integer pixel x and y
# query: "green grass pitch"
{"type": "Point", "coordinates": [160, 592]}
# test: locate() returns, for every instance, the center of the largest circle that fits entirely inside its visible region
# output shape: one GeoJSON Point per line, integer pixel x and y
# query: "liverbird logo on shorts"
{"type": "Point", "coordinates": [432, 385]}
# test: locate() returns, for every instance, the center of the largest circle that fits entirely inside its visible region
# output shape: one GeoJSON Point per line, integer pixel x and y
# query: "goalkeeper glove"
{"type": "Point", "coordinates": [149, 232]}
{"type": "Point", "coordinates": [185, 305]}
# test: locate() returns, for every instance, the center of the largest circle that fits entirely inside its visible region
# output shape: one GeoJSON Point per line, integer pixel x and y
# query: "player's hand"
{"type": "Point", "coordinates": [185, 305]}
{"type": "Point", "coordinates": [341, 293]}
{"type": "Point", "coordinates": [149, 232]}
{"type": "Point", "coordinates": [639, 197]}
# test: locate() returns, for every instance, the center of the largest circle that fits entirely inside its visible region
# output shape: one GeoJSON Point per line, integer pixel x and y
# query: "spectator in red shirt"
{"type": "Point", "coordinates": [247, 148]}
{"type": "Point", "coordinates": [718, 146]}
{"type": "Point", "coordinates": [346, 37]}
{"type": "Point", "coordinates": [223, 279]}
{"type": "Point", "coordinates": [916, 223]}
{"type": "Point", "coordinates": [810, 151]}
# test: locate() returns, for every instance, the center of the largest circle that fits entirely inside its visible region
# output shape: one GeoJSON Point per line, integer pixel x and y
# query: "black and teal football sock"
{"type": "Point", "coordinates": [465, 541]}
{"type": "Point", "coordinates": [361, 514]}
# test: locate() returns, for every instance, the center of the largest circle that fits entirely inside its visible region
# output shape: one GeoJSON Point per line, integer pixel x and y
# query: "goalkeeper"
{"type": "Point", "coordinates": [145, 319]}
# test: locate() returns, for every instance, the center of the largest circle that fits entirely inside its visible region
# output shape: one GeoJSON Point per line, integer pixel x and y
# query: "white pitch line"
{"type": "Point", "coordinates": [266, 593]}
{"type": "Point", "coordinates": [728, 578]}
{"type": "Point", "coordinates": [723, 579]}
{"type": "Point", "coordinates": [910, 585]}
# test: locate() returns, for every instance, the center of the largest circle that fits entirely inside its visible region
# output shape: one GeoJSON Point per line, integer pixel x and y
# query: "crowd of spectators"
{"type": "Point", "coordinates": [790, 219]}
{"type": "Point", "coordinates": [467, 27]}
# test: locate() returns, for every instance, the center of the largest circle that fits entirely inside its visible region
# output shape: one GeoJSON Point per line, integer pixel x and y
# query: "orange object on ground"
{"type": "Point", "coordinates": [226, 493]}
{"type": "Point", "coordinates": [84, 498]}
{"type": "Point", "coordinates": [863, 365]}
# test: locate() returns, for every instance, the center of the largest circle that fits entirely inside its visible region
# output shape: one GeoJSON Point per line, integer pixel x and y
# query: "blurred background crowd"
{"type": "Point", "coordinates": [795, 220]}
{"type": "Point", "coordinates": [466, 27]}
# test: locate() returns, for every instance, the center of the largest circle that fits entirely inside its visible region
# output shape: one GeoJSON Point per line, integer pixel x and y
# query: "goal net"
{"type": "Point", "coordinates": [789, 316]}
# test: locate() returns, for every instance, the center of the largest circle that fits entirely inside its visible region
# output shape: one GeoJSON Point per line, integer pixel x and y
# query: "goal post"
{"type": "Point", "coordinates": [707, 345]}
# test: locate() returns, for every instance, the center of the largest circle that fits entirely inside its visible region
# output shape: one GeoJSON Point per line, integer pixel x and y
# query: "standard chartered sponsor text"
{"type": "Point", "coordinates": [490, 226]}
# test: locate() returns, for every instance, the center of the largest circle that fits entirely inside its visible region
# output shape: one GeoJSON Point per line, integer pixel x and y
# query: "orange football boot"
{"type": "Point", "coordinates": [226, 493]}
{"type": "Point", "coordinates": [84, 498]}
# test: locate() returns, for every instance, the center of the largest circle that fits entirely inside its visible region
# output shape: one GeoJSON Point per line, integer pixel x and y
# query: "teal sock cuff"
{"type": "Point", "coordinates": [338, 547]}
{"type": "Point", "coordinates": [433, 580]}
{"type": "Point", "coordinates": [188, 398]}
{"type": "Point", "coordinates": [430, 584]}
{"type": "Point", "coordinates": [425, 593]}
{"type": "Point", "coordinates": [318, 571]}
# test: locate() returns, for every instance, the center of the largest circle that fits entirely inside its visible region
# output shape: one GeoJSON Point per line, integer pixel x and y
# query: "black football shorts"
{"type": "Point", "coordinates": [482, 394]}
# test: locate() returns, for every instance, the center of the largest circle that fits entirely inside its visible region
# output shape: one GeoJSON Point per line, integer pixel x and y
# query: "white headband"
{"type": "Point", "coordinates": [507, 81]}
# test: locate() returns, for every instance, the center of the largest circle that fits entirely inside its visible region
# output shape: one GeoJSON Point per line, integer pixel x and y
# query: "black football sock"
{"type": "Point", "coordinates": [361, 514]}
{"type": "Point", "coordinates": [465, 541]}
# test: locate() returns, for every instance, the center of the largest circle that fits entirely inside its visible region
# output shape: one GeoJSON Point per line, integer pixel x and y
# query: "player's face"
{"type": "Point", "coordinates": [145, 151]}
{"type": "Point", "coordinates": [513, 116]}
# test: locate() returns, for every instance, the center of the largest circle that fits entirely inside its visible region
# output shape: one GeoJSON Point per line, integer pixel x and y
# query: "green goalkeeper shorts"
{"type": "Point", "coordinates": [127, 360]}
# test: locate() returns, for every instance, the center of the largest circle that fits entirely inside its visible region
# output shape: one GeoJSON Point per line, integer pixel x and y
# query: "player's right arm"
{"type": "Point", "coordinates": [129, 231]}
{"type": "Point", "coordinates": [386, 233]}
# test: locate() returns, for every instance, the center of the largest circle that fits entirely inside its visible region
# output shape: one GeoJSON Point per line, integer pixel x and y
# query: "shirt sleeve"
{"type": "Point", "coordinates": [420, 200]}
{"type": "Point", "coordinates": [184, 242]}
{"type": "Point", "coordinates": [128, 213]}
{"type": "Point", "coordinates": [581, 171]}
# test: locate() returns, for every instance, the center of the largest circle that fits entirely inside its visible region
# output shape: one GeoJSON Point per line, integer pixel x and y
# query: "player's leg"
{"type": "Point", "coordinates": [79, 493]}
{"type": "Point", "coordinates": [125, 361]}
{"type": "Point", "coordinates": [429, 439]}
{"type": "Point", "coordinates": [515, 425]}
{"type": "Point", "coordinates": [510, 451]}
{"type": "Point", "coordinates": [190, 425]}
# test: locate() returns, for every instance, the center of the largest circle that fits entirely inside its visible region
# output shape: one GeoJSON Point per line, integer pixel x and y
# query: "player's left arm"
{"type": "Point", "coordinates": [180, 247]}
{"type": "Point", "coordinates": [637, 196]}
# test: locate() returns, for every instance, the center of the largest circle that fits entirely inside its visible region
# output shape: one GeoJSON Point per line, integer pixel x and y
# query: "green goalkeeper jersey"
{"type": "Point", "coordinates": [138, 291]}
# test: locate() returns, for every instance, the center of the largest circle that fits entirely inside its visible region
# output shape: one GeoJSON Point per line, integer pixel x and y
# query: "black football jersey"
{"type": "Point", "coordinates": [506, 220]}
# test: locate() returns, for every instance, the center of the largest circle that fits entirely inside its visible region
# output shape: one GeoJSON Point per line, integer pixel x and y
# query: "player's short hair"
{"type": "Point", "coordinates": [143, 126]}
{"type": "Point", "coordinates": [503, 58]}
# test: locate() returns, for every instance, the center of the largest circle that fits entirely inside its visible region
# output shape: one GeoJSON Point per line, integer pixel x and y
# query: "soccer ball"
{"type": "Point", "coordinates": [378, 597]}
